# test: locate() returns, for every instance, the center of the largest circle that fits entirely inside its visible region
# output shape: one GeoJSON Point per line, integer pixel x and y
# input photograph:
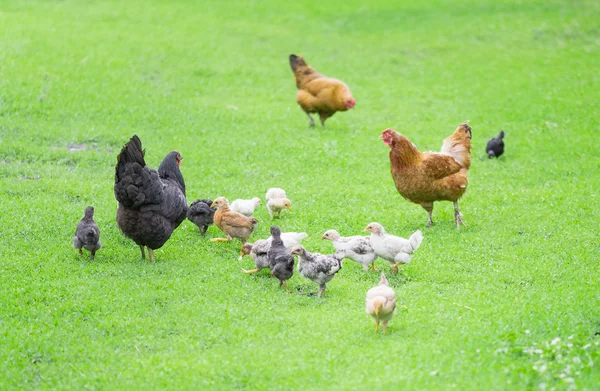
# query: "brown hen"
{"type": "Point", "coordinates": [424, 178]}
{"type": "Point", "coordinates": [318, 93]}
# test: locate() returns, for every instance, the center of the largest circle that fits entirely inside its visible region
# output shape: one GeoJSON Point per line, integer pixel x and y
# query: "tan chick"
{"type": "Point", "coordinates": [233, 224]}
{"type": "Point", "coordinates": [381, 303]}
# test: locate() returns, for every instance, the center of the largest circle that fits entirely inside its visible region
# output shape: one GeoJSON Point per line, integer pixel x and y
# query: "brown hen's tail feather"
{"type": "Point", "coordinates": [458, 145]}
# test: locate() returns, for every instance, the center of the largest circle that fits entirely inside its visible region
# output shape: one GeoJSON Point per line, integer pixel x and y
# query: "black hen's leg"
{"type": "Point", "coordinates": [143, 252]}
{"type": "Point", "coordinates": [151, 254]}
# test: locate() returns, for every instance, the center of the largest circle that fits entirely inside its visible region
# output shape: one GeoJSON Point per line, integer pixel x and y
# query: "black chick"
{"type": "Point", "coordinates": [495, 146]}
{"type": "Point", "coordinates": [201, 214]}
{"type": "Point", "coordinates": [280, 258]}
{"type": "Point", "coordinates": [87, 234]}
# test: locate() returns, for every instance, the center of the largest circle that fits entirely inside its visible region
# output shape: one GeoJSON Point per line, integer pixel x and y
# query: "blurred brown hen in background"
{"type": "Point", "coordinates": [318, 93]}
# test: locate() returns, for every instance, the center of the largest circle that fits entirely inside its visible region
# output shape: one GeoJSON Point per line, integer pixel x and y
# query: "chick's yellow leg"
{"type": "Point", "coordinates": [220, 240]}
{"type": "Point", "coordinates": [377, 326]}
{"type": "Point", "coordinates": [321, 290]}
{"type": "Point", "coordinates": [384, 326]}
{"type": "Point", "coordinates": [249, 271]}
{"type": "Point", "coordinates": [373, 267]}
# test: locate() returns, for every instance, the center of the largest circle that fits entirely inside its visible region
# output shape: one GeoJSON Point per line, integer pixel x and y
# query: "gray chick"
{"type": "Point", "coordinates": [318, 268]}
{"type": "Point", "coordinates": [258, 251]}
{"type": "Point", "coordinates": [87, 234]}
{"type": "Point", "coordinates": [281, 261]}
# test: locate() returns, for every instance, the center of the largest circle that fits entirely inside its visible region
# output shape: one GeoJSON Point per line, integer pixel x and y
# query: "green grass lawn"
{"type": "Point", "coordinates": [512, 301]}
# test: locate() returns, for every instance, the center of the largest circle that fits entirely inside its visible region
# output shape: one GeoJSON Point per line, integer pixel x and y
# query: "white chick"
{"type": "Point", "coordinates": [291, 239]}
{"type": "Point", "coordinates": [394, 249]}
{"type": "Point", "coordinates": [245, 207]}
{"type": "Point", "coordinates": [276, 201]}
{"type": "Point", "coordinates": [275, 192]}
{"type": "Point", "coordinates": [276, 205]}
{"type": "Point", "coordinates": [381, 303]}
{"type": "Point", "coordinates": [356, 248]}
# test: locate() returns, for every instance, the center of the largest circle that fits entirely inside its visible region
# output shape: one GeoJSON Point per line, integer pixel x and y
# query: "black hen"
{"type": "Point", "coordinates": [495, 146]}
{"type": "Point", "coordinates": [151, 203]}
{"type": "Point", "coordinates": [281, 260]}
{"type": "Point", "coordinates": [87, 234]}
{"type": "Point", "coordinates": [201, 214]}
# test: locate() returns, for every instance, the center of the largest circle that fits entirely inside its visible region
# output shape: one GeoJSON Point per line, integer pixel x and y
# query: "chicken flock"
{"type": "Point", "coordinates": [152, 203]}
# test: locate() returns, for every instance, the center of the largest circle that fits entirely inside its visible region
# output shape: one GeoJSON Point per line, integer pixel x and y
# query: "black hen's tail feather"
{"type": "Point", "coordinates": [501, 135]}
{"type": "Point", "coordinates": [135, 184]}
{"type": "Point", "coordinates": [131, 152]}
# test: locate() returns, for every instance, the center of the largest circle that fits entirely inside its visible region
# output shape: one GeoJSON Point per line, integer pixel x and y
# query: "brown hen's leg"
{"type": "Point", "coordinates": [143, 253]}
{"type": "Point", "coordinates": [312, 121]}
{"type": "Point", "coordinates": [249, 271]}
{"type": "Point", "coordinates": [151, 254]}
{"type": "Point", "coordinates": [323, 118]}
{"type": "Point", "coordinates": [457, 217]}
{"type": "Point", "coordinates": [429, 208]}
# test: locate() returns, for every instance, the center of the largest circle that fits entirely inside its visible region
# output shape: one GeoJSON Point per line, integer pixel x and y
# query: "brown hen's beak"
{"type": "Point", "coordinates": [380, 137]}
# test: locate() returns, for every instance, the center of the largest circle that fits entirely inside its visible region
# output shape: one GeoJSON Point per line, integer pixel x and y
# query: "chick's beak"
{"type": "Point", "coordinates": [212, 205]}
{"type": "Point", "coordinates": [323, 237]}
{"type": "Point", "coordinates": [366, 229]}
